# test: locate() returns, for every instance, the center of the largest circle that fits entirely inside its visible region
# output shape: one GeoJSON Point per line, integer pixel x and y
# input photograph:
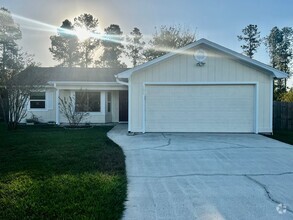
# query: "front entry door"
{"type": "Point", "coordinates": [123, 106]}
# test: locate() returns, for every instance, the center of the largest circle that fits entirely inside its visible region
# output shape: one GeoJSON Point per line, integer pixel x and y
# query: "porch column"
{"type": "Point", "coordinates": [103, 102]}
{"type": "Point", "coordinates": [57, 107]}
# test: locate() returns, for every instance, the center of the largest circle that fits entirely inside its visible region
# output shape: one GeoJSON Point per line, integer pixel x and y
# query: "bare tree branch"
{"type": "Point", "coordinates": [67, 108]}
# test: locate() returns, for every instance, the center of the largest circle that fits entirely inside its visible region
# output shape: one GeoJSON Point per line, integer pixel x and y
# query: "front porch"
{"type": "Point", "coordinates": [104, 102]}
{"type": "Point", "coordinates": [102, 106]}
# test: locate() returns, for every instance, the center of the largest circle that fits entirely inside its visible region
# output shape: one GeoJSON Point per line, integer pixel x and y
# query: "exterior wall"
{"type": "Point", "coordinates": [93, 117]}
{"type": "Point", "coordinates": [115, 106]}
{"type": "Point", "coordinates": [47, 114]}
{"type": "Point", "coordinates": [218, 68]}
{"type": "Point", "coordinates": [62, 94]}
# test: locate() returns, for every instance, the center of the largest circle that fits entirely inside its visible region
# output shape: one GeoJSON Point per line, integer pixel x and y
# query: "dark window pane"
{"type": "Point", "coordinates": [80, 101]}
{"type": "Point", "coordinates": [109, 97]}
{"type": "Point", "coordinates": [94, 101]}
{"type": "Point", "coordinates": [37, 104]}
{"type": "Point", "coordinates": [87, 101]}
{"type": "Point", "coordinates": [38, 95]}
{"type": "Point", "coordinates": [80, 108]}
{"type": "Point", "coordinates": [109, 106]}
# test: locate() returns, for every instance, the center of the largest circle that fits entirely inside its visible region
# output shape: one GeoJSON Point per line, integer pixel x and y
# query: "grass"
{"type": "Point", "coordinates": [284, 136]}
{"type": "Point", "coordinates": [53, 173]}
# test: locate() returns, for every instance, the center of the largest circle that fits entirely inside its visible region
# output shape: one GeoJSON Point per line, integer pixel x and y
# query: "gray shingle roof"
{"type": "Point", "coordinates": [46, 74]}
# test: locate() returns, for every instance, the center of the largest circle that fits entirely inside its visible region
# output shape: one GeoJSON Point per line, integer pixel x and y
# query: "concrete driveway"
{"type": "Point", "coordinates": [206, 176]}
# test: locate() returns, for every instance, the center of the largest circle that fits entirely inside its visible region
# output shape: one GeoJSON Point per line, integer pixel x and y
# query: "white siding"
{"type": "Point", "coordinates": [62, 94]}
{"type": "Point", "coordinates": [47, 114]}
{"type": "Point", "coordinates": [218, 68]}
{"type": "Point", "coordinates": [93, 117]}
{"type": "Point", "coordinates": [99, 117]}
{"type": "Point", "coordinates": [50, 99]}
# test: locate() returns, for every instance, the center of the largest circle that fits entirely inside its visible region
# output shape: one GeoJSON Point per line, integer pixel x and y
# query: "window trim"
{"type": "Point", "coordinates": [38, 109]}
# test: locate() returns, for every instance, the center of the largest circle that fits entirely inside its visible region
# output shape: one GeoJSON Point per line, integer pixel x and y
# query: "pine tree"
{"type": "Point", "coordinates": [65, 46]}
{"type": "Point", "coordinates": [251, 38]}
{"type": "Point", "coordinates": [279, 47]}
{"type": "Point", "coordinates": [9, 34]}
{"type": "Point", "coordinates": [88, 46]}
{"type": "Point", "coordinates": [113, 48]}
{"type": "Point", "coordinates": [135, 47]}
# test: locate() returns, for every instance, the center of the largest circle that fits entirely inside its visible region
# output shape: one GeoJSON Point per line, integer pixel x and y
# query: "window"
{"type": "Point", "coordinates": [109, 99]}
{"type": "Point", "coordinates": [88, 101]}
{"type": "Point", "coordinates": [38, 100]}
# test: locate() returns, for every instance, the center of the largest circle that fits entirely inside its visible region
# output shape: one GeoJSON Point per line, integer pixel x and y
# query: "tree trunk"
{"type": "Point", "coordinates": [12, 125]}
{"type": "Point", "coordinates": [4, 105]}
{"type": "Point", "coordinates": [3, 60]}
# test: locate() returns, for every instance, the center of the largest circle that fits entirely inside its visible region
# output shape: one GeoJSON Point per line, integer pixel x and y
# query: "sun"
{"type": "Point", "coordinates": [82, 34]}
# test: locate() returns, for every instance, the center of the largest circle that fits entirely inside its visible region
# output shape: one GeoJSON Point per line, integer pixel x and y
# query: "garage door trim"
{"type": "Point", "coordinates": [195, 84]}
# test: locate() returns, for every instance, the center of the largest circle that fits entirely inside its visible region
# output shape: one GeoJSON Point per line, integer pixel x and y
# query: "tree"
{"type": "Point", "coordinates": [67, 108]}
{"type": "Point", "coordinates": [9, 34]}
{"type": "Point", "coordinates": [251, 38]}
{"type": "Point", "coordinates": [288, 96]}
{"type": "Point", "coordinates": [18, 91]}
{"type": "Point", "coordinates": [88, 26]}
{"type": "Point", "coordinates": [167, 39]}
{"type": "Point", "coordinates": [14, 90]}
{"type": "Point", "coordinates": [113, 48]}
{"type": "Point", "coordinates": [135, 47]}
{"type": "Point", "coordinates": [279, 47]}
{"type": "Point", "coordinates": [64, 45]}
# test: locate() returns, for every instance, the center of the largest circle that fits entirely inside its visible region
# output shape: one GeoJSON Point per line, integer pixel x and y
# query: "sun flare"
{"type": "Point", "coordinates": [82, 34]}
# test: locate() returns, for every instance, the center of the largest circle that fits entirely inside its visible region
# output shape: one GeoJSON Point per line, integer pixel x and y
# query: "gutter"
{"type": "Point", "coordinates": [82, 83]}
{"type": "Point", "coordinates": [121, 82]}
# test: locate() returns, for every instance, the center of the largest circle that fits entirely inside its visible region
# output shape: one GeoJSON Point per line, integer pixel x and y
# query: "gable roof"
{"type": "Point", "coordinates": [276, 73]}
{"type": "Point", "coordinates": [69, 74]}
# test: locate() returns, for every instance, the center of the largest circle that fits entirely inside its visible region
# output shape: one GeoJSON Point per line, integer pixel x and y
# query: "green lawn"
{"type": "Point", "coordinates": [53, 173]}
{"type": "Point", "coordinates": [284, 136]}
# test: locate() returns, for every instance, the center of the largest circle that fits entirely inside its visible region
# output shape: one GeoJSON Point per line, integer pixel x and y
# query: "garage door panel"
{"type": "Point", "coordinates": [209, 108]}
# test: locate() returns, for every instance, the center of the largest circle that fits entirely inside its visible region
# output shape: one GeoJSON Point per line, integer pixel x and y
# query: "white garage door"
{"type": "Point", "coordinates": [200, 108]}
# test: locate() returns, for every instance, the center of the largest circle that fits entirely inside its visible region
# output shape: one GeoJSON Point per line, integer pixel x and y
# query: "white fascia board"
{"type": "Point", "coordinates": [125, 75]}
{"type": "Point", "coordinates": [82, 83]}
{"type": "Point", "coordinates": [276, 73]}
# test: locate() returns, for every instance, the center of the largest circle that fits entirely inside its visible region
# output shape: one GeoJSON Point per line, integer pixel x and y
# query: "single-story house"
{"type": "Point", "coordinates": [106, 99]}
{"type": "Point", "coordinates": [202, 87]}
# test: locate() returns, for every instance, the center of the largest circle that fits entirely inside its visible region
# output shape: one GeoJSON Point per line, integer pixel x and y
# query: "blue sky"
{"type": "Point", "coordinates": [216, 20]}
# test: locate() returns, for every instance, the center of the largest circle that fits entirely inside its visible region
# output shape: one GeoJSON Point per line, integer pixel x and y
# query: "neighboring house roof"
{"type": "Point", "coordinates": [276, 73]}
{"type": "Point", "coordinates": [67, 74]}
